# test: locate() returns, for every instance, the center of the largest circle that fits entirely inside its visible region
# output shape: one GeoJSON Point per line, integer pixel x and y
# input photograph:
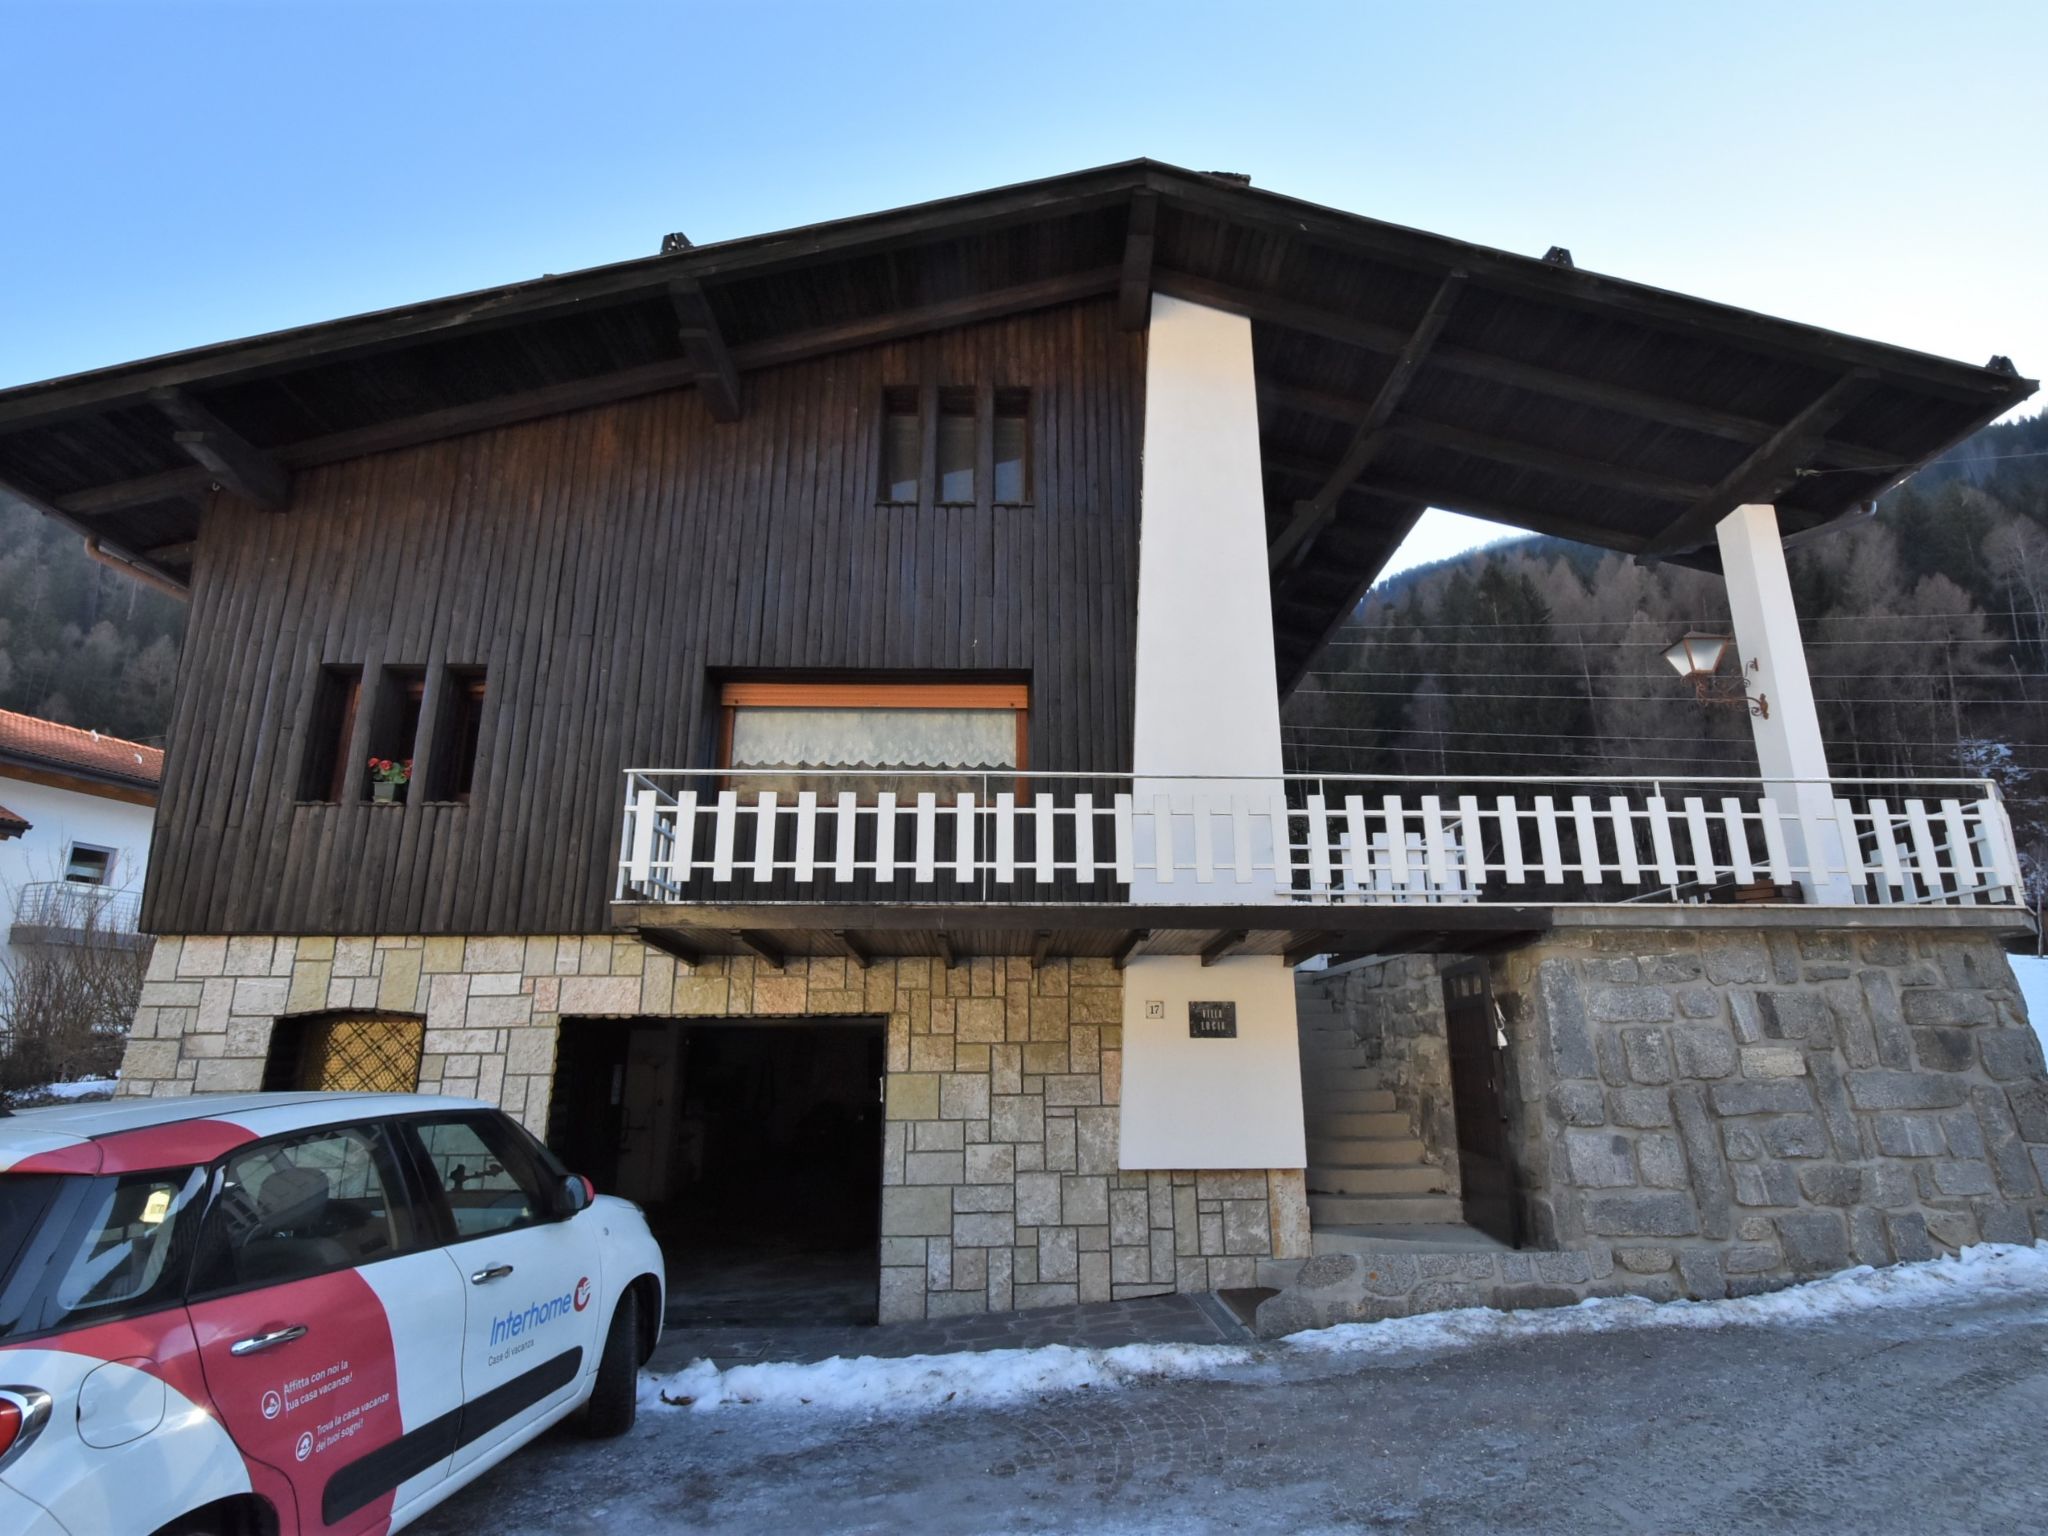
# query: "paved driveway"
{"type": "Point", "coordinates": [1933, 1418]}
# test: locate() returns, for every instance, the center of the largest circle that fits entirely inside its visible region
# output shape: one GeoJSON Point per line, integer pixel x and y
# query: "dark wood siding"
{"type": "Point", "coordinates": [602, 566]}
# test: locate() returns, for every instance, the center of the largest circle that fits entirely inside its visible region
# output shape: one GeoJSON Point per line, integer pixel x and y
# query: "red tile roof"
{"type": "Point", "coordinates": [11, 825]}
{"type": "Point", "coordinates": [48, 744]}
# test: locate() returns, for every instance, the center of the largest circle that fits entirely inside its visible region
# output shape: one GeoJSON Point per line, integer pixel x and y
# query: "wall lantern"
{"type": "Point", "coordinates": [1696, 657]}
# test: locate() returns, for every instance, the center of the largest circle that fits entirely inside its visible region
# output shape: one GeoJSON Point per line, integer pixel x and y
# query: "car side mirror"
{"type": "Point", "coordinates": [576, 1194]}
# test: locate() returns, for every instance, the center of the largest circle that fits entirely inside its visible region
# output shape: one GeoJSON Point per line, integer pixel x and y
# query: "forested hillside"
{"type": "Point", "coordinates": [78, 642]}
{"type": "Point", "coordinates": [1927, 636]}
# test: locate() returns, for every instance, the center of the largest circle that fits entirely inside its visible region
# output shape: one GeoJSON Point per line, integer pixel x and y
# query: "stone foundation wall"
{"type": "Point", "coordinates": [1395, 1008]}
{"type": "Point", "coordinates": [1723, 1111]}
{"type": "Point", "coordinates": [1000, 1181]}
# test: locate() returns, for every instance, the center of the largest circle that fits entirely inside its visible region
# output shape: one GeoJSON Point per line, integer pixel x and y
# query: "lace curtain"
{"type": "Point", "coordinates": [874, 738]}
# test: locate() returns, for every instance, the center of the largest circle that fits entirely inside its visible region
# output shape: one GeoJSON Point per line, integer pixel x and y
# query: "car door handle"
{"type": "Point", "coordinates": [491, 1272]}
{"type": "Point", "coordinates": [257, 1342]}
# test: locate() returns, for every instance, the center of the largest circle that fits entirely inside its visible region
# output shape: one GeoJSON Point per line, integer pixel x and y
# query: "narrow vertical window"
{"type": "Point", "coordinates": [1013, 447]}
{"type": "Point", "coordinates": [956, 447]}
{"type": "Point", "coordinates": [395, 732]}
{"type": "Point", "coordinates": [325, 768]}
{"type": "Point", "coordinates": [902, 445]}
{"type": "Point", "coordinates": [456, 735]}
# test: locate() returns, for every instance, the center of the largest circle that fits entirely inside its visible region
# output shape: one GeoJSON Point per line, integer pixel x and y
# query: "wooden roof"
{"type": "Point", "coordinates": [1396, 370]}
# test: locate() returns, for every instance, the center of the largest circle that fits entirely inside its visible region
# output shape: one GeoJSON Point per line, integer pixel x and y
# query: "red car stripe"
{"type": "Point", "coordinates": [176, 1145]}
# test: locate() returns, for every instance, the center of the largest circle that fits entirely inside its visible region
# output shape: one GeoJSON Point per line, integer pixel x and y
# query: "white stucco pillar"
{"type": "Point", "coordinates": [1207, 725]}
{"type": "Point", "coordinates": [1772, 658]}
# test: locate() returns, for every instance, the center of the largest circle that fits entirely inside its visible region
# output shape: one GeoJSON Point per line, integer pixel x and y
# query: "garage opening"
{"type": "Point", "coordinates": [754, 1147]}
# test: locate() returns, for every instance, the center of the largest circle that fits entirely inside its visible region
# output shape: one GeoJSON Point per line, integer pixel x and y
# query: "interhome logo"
{"type": "Point", "coordinates": [540, 1313]}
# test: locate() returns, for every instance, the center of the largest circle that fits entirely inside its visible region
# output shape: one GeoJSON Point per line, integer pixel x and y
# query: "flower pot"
{"type": "Point", "coordinates": [383, 792]}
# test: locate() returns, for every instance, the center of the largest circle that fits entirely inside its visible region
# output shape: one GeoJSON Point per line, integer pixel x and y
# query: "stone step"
{"type": "Point", "coordinates": [1424, 1237]}
{"type": "Point", "coordinates": [1347, 1122]}
{"type": "Point", "coordinates": [1382, 1210]}
{"type": "Point", "coordinates": [1418, 1179]}
{"type": "Point", "coordinates": [1363, 1151]}
{"type": "Point", "coordinates": [1321, 1100]}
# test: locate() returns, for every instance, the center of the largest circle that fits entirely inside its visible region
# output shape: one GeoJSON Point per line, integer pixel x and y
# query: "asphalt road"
{"type": "Point", "coordinates": [1933, 1418]}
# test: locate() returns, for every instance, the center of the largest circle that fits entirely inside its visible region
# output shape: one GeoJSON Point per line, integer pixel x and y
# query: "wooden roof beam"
{"type": "Point", "coordinates": [1294, 676]}
{"type": "Point", "coordinates": [674, 941]}
{"type": "Point", "coordinates": [761, 947]}
{"type": "Point", "coordinates": [224, 453]}
{"type": "Point", "coordinates": [852, 948]}
{"type": "Point", "coordinates": [1767, 470]}
{"type": "Point", "coordinates": [1134, 287]}
{"type": "Point", "coordinates": [1311, 515]}
{"type": "Point", "coordinates": [1370, 336]}
{"type": "Point", "coordinates": [1222, 944]}
{"type": "Point", "coordinates": [704, 345]}
{"type": "Point", "coordinates": [1127, 946]}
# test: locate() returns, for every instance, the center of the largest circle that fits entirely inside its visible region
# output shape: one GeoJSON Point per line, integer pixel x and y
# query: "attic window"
{"type": "Point", "coordinates": [957, 446]}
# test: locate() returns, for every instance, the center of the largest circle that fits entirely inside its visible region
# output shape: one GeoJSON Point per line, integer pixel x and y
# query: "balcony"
{"type": "Point", "coordinates": [69, 912]}
{"type": "Point", "coordinates": [1301, 859]}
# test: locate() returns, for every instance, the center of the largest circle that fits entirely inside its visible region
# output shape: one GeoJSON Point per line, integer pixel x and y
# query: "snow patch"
{"type": "Point", "coordinates": [916, 1384]}
{"type": "Point", "coordinates": [921, 1383]}
{"type": "Point", "coordinates": [58, 1093]}
{"type": "Point", "coordinates": [1988, 1270]}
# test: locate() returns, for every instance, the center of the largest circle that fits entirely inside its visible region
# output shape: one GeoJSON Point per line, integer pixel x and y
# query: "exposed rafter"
{"type": "Point", "coordinates": [676, 942]}
{"type": "Point", "coordinates": [224, 453]}
{"type": "Point", "coordinates": [1041, 947]}
{"type": "Point", "coordinates": [603, 389]}
{"type": "Point", "coordinates": [1370, 336]}
{"type": "Point", "coordinates": [1315, 944]}
{"type": "Point", "coordinates": [1767, 470]}
{"type": "Point", "coordinates": [853, 949]}
{"type": "Point", "coordinates": [761, 947]}
{"type": "Point", "coordinates": [704, 345]}
{"type": "Point", "coordinates": [1134, 287]}
{"type": "Point", "coordinates": [1311, 515]}
{"type": "Point", "coordinates": [1222, 944]}
{"type": "Point", "coordinates": [1127, 946]}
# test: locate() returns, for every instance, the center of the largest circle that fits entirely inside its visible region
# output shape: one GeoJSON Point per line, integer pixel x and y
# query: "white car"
{"type": "Point", "coordinates": [277, 1313]}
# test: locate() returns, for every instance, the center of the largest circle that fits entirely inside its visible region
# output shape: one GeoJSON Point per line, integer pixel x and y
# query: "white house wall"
{"type": "Point", "coordinates": [58, 818]}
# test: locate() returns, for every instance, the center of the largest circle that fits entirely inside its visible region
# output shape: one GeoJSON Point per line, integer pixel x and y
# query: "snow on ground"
{"type": "Point", "coordinates": [60, 1093]}
{"type": "Point", "coordinates": [925, 1383]}
{"type": "Point", "coordinates": [2032, 971]}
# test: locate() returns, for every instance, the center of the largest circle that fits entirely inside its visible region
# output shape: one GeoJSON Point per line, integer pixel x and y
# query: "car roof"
{"type": "Point", "coordinates": [71, 1137]}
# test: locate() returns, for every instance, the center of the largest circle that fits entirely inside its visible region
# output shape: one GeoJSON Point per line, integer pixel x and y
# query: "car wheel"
{"type": "Point", "coordinates": [615, 1398]}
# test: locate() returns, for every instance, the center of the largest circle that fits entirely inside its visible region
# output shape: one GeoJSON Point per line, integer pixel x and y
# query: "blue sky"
{"type": "Point", "coordinates": [182, 173]}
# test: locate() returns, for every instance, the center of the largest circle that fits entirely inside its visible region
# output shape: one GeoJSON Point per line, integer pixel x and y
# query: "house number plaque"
{"type": "Point", "coordinates": [1212, 1021]}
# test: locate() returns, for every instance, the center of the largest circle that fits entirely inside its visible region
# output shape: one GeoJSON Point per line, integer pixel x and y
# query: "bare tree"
{"type": "Point", "coordinates": [65, 1007]}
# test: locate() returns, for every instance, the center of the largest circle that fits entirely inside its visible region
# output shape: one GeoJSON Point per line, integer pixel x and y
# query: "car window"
{"type": "Point", "coordinates": [488, 1176]}
{"type": "Point", "coordinates": [130, 1246]}
{"type": "Point", "coordinates": [305, 1205]}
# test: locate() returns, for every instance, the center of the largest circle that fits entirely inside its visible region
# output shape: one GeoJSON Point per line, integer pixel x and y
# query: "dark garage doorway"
{"type": "Point", "coordinates": [755, 1147]}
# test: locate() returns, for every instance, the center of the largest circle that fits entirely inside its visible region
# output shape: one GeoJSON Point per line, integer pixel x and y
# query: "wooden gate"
{"type": "Point", "coordinates": [1479, 1101]}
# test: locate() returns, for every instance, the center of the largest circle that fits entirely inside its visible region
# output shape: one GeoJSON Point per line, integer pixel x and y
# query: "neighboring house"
{"type": "Point", "coordinates": [75, 814]}
{"type": "Point", "coordinates": [841, 675]}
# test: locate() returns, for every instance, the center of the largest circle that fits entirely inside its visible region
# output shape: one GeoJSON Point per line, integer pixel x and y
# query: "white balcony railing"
{"type": "Point", "coordinates": [691, 837]}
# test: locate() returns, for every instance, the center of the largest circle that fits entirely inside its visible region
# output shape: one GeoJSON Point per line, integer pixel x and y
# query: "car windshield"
{"type": "Point", "coordinates": [76, 1250]}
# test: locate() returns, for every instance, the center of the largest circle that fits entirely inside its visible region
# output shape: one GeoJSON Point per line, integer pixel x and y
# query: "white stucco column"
{"type": "Point", "coordinates": [1208, 706]}
{"type": "Point", "coordinates": [1789, 753]}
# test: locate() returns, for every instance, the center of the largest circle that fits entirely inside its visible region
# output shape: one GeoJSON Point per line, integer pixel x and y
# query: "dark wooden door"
{"type": "Point", "coordinates": [1479, 1102]}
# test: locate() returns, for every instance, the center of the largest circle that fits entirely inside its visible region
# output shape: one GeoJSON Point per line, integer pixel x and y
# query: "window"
{"type": "Point", "coordinates": [324, 770]}
{"type": "Point", "coordinates": [123, 1261]}
{"type": "Point", "coordinates": [1013, 447]}
{"type": "Point", "coordinates": [305, 1206]}
{"type": "Point", "coordinates": [912, 738]}
{"type": "Point", "coordinates": [460, 723]}
{"type": "Point", "coordinates": [395, 726]}
{"type": "Point", "coordinates": [972, 433]}
{"type": "Point", "coordinates": [956, 447]}
{"type": "Point", "coordinates": [346, 1053]}
{"type": "Point", "coordinates": [89, 865]}
{"type": "Point", "coordinates": [902, 446]}
{"type": "Point", "coordinates": [491, 1180]}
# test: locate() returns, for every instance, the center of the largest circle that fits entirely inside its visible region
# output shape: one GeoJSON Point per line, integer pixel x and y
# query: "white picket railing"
{"type": "Point", "coordinates": [691, 837]}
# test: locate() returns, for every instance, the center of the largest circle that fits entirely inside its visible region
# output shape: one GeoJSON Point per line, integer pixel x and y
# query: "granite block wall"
{"type": "Point", "coordinates": [1001, 1188]}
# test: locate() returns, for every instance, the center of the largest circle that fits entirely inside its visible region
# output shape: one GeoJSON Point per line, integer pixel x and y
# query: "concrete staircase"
{"type": "Point", "coordinates": [1367, 1181]}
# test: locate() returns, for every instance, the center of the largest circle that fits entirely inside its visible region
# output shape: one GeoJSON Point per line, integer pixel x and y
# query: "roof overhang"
{"type": "Point", "coordinates": [1397, 370]}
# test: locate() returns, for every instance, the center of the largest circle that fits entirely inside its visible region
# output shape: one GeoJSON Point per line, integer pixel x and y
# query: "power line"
{"type": "Point", "coordinates": [1645, 698]}
{"type": "Point", "coordinates": [1626, 736]}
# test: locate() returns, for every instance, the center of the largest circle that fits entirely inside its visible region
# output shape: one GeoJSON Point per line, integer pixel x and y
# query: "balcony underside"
{"type": "Point", "coordinates": [1122, 932]}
